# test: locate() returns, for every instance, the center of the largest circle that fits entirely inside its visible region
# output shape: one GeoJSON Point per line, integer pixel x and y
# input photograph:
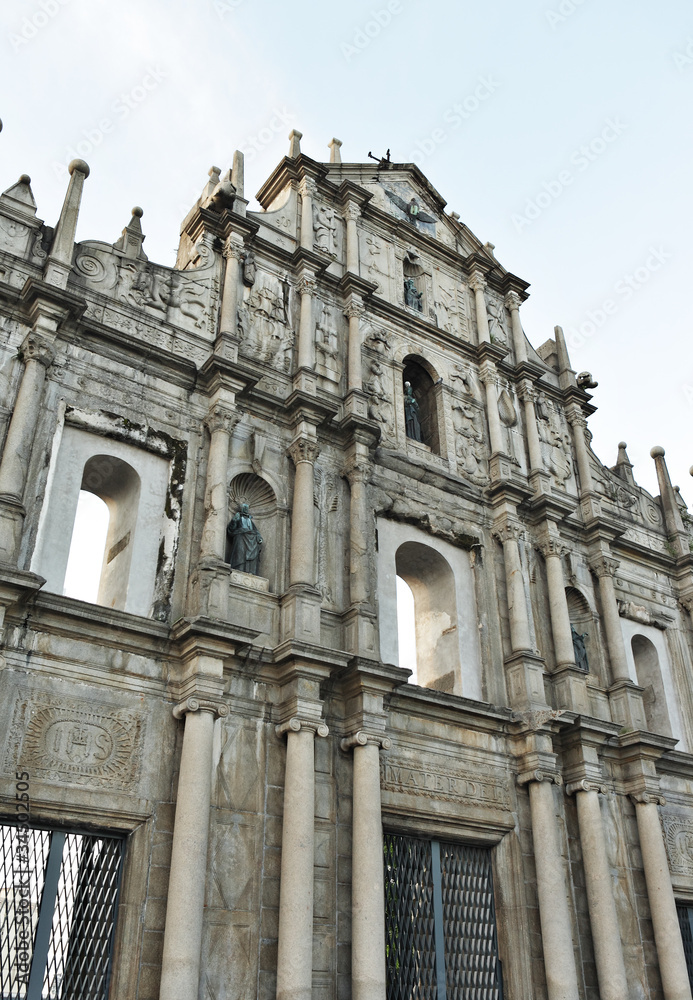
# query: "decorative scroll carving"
{"type": "Point", "coordinates": [538, 775]}
{"type": "Point", "coordinates": [295, 725]}
{"type": "Point", "coordinates": [678, 838]}
{"type": "Point", "coordinates": [361, 739]}
{"type": "Point", "coordinates": [77, 743]}
{"type": "Point", "coordinates": [217, 708]}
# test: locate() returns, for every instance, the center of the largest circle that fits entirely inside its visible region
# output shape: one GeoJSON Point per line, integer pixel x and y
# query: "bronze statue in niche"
{"type": "Point", "coordinates": [411, 414]}
{"type": "Point", "coordinates": [245, 541]}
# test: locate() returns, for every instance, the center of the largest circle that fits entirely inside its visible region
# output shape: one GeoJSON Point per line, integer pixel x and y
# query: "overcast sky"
{"type": "Point", "coordinates": [559, 130]}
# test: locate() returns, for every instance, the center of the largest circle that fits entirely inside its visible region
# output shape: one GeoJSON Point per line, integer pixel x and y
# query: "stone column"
{"type": "Point", "coordinates": [528, 397]}
{"type": "Point", "coordinates": [352, 215]}
{"type": "Point", "coordinates": [512, 301]}
{"type": "Point", "coordinates": [489, 377]}
{"type": "Point", "coordinates": [354, 311]}
{"type": "Point", "coordinates": [358, 473]}
{"type": "Point", "coordinates": [508, 534]}
{"type": "Point", "coordinates": [667, 934]}
{"type": "Point", "coordinates": [180, 965]}
{"type": "Point", "coordinates": [37, 354]}
{"type": "Point", "coordinates": [605, 569]}
{"type": "Point", "coordinates": [233, 254]}
{"type": "Point", "coordinates": [306, 334]}
{"type": "Point", "coordinates": [367, 888]}
{"type": "Point", "coordinates": [608, 951]}
{"type": "Point", "coordinates": [307, 191]}
{"type": "Point", "coordinates": [478, 284]}
{"type": "Point", "coordinates": [303, 453]}
{"type": "Point", "coordinates": [220, 423]}
{"type": "Point", "coordinates": [551, 548]}
{"type": "Point", "coordinates": [554, 915]}
{"type": "Point", "coordinates": [295, 944]}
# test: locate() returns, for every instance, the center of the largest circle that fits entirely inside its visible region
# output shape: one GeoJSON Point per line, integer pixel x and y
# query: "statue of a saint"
{"type": "Point", "coordinates": [579, 650]}
{"type": "Point", "coordinates": [411, 414]}
{"type": "Point", "coordinates": [246, 541]}
{"type": "Point", "coordinates": [249, 268]}
{"type": "Point", "coordinates": [412, 297]}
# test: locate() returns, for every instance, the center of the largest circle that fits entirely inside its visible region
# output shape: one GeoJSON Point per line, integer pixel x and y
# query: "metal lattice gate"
{"type": "Point", "coordinates": [685, 915]}
{"type": "Point", "coordinates": [58, 899]}
{"type": "Point", "coordinates": [440, 924]}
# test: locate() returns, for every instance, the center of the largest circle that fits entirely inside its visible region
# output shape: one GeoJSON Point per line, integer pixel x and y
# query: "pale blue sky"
{"type": "Point", "coordinates": [602, 234]}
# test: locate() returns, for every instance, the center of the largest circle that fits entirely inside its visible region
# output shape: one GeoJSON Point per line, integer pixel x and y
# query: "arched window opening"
{"type": "Point", "coordinates": [423, 393]}
{"type": "Point", "coordinates": [649, 676]}
{"type": "Point", "coordinates": [85, 561]}
{"type": "Point", "coordinates": [406, 632]}
{"type": "Point", "coordinates": [432, 584]}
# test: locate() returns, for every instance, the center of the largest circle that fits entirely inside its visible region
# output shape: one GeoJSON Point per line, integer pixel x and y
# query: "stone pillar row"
{"type": "Point", "coordinates": [304, 452]}
{"type": "Point", "coordinates": [220, 423]}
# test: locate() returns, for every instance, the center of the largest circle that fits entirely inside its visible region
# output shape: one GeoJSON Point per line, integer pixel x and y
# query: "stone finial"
{"type": "Point", "coordinates": [690, 471]}
{"type": "Point", "coordinates": [561, 350]}
{"type": "Point", "coordinates": [624, 467]}
{"type": "Point", "coordinates": [20, 197]}
{"type": "Point", "coordinates": [294, 143]}
{"type": "Point", "coordinates": [335, 150]}
{"type": "Point", "coordinates": [237, 173]}
{"type": "Point", "coordinates": [59, 261]}
{"type": "Point", "coordinates": [131, 240]}
{"type": "Point", "coordinates": [670, 508]}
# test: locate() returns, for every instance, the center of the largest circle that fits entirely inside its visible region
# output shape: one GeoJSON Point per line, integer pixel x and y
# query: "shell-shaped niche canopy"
{"type": "Point", "coordinates": [251, 489]}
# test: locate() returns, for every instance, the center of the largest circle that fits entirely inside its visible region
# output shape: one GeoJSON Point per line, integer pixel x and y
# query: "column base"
{"type": "Point", "coordinates": [305, 380]}
{"type": "Point", "coordinates": [356, 404]}
{"type": "Point", "coordinates": [627, 709]}
{"type": "Point", "coordinates": [300, 614]}
{"type": "Point", "coordinates": [500, 467]}
{"type": "Point", "coordinates": [524, 673]}
{"type": "Point", "coordinates": [360, 632]}
{"type": "Point", "coordinates": [570, 689]}
{"type": "Point", "coordinates": [226, 346]}
{"type": "Point", "coordinates": [209, 590]}
{"type": "Point", "coordinates": [12, 514]}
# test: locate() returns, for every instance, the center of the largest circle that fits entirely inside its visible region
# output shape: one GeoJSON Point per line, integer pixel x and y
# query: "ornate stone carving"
{"type": "Point", "coordinates": [469, 440]}
{"type": "Point", "coordinates": [303, 450]}
{"type": "Point", "coordinates": [326, 500]}
{"type": "Point", "coordinates": [325, 228]}
{"type": "Point", "coordinates": [376, 264]}
{"type": "Point", "coordinates": [477, 282]}
{"type": "Point", "coordinates": [234, 247]}
{"type": "Point", "coordinates": [263, 325]}
{"type": "Point", "coordinates": [538, 775]}
{"type": "Point", "coordinates": [379, 405]}
{"type": "Point", "coordinates": [76, 743]}
{"type": "Point", "coordinates": [380, 342]}
{"type": "Point", "coordinates": [307, 284]}
{"type": "Point", "coordinates": [645, 798]}
{"type": "Point", "coordinates": [495, 310]}
{"type": "Point", "coordinates": [551, 546]}
{"type": "Point", "coordinates": [508, 531]}
{"type": "Point", "coordinates": [465, 379]}
{"type": "Point", "coordinates": [603, 565]}
{"type": "Point", "coordinates": [327, 342]}
{"type": "Point", "coordinates": [220, 418]}
{"type": "Point", "coordinates": [678, 838]}
{"type": "Point", "coordinates": [584, 785]}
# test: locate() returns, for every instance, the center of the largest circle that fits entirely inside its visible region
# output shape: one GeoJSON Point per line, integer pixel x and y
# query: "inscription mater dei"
{"type": "Point", "coordinates": [486, 787]}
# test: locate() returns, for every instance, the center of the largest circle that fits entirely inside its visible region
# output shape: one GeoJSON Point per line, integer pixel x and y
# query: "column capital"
{"type": "Point", "coordinates": [477, 281]}
{"type": "Point", "coordinates": [357, 471]}
{"type": "Point", "coordinates": [575, 415]}
{"type": "Point", "coordinates": [217, 708]}
{"type": "Point", "coordinates": [362, 738]}
{"type": "Point", "coordinates": [352, 212]}
{"type": "Point", "coordinates": [526, 390]}
{"type": "Point", "coordinates": [585, 786]}
{"type": "Point", "coordinates": [527, 777]}
{"type": "Point", "coordinates": [220, 418]}
{"type": "Point", "coordinates": [37, 348]}
{"type": "Point", "coordinates": [603, 565]}
{"type": "Point", "coordinates": [295, 725]}
{"type": "Point", "coordinates": [354, 307]}
{"type": "Point", "coordinates": [513, 300]}
{"type": "Point", "coordinates": [488, 373]}
{"type": "Point", "coordinates": [507, 530]}
{"type": "Point", "coordinates": [234, 246]}
{"type": "Point", "coordinates": [644, 798]}
{"type": "Point", "coordinates": [551, 546]}
{"type": "Point", "coordinates": [307, 283]}
{"type": "Point", "coordinates": [307, 187]}
{"type": "Point", "coordinates": [303, 450]}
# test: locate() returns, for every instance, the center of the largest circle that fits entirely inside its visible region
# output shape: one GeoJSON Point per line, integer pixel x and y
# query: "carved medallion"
{"type": "Point", "coordinates": [76, 744]}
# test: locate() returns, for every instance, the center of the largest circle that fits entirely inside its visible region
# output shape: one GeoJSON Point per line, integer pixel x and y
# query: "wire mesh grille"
{"type": "Point", "coordinates": [410, 947]}
{"type": "Point", "coordinates": [79, 914]}
{"type": "Point", "coordinates": [471, 951]}
{"type": "Point", "coordinates": [469, 954]}
{"type": "Point", "coordinates": [23, 857]}
{"type": "Point", "coordinates": [685, 914]}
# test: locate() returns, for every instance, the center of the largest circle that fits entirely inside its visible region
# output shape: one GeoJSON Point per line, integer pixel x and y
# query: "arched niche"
{"type": "Point", "coordinates": [441, 579]}
{"type": "Point", "coordinates": [582, 620]}
{"type": "Point", "coordinates": [422, 381]}
{"type": "Point", "coordinates": [118, 485]}
{"type": "Point", "coordinates": [649, 674]}
{"type": "Point", "coordinates": [247, 487]}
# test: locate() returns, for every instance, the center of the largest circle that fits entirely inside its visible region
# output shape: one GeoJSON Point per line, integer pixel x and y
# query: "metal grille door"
{"type": "Point", "coordinates": [685, 914]}
{"type": "Point", "coordinates": [440, 922]}
{"type": "Point", "coordinates": [58, 899]}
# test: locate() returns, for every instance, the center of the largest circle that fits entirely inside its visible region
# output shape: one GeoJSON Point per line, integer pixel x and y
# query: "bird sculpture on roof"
{"type": "Point", "coordinates": [411, 208]}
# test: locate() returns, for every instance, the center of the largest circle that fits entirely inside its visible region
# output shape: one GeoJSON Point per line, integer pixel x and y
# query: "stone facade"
{"type": "Point", "coordinates": [252, 734]}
